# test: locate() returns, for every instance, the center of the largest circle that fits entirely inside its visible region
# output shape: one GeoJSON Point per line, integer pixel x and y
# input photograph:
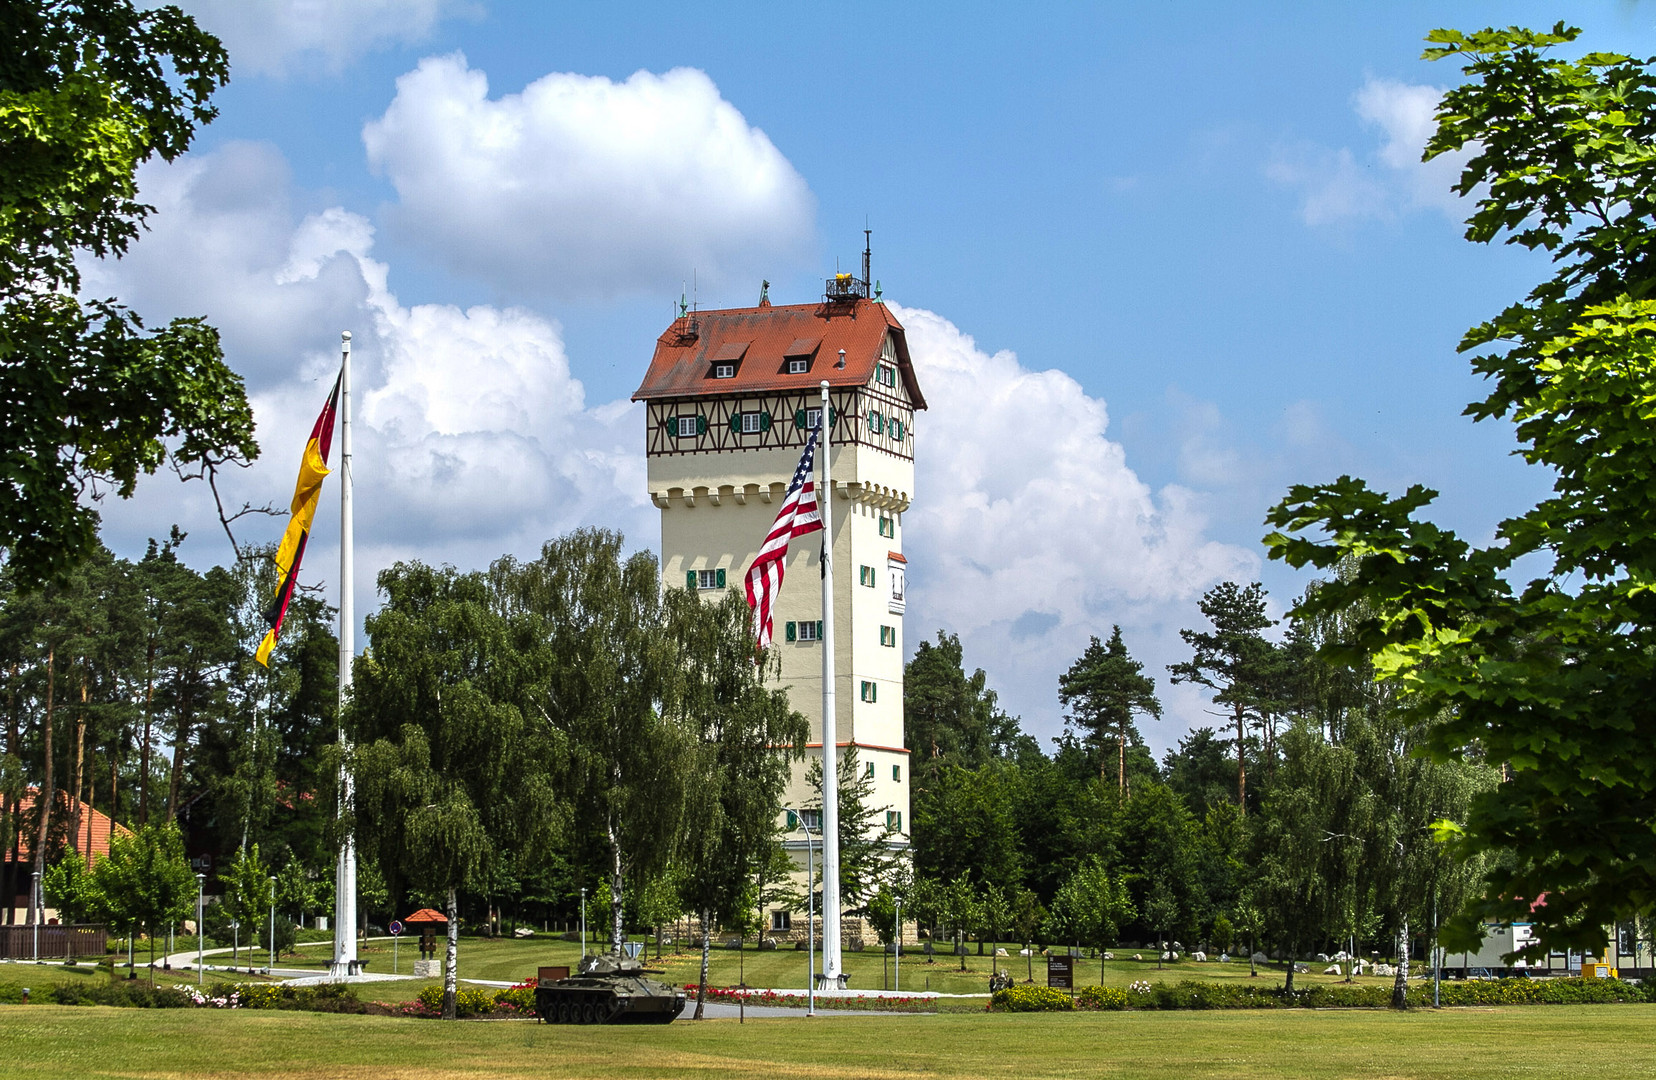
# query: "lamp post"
{"type": "Point", "coordinates": [201, 940]}
{"type": "Point", "coordinates": [34, 912]}
{"type": "Point", "coordinates": [897, 937]}
{"type": "Point", "coordinates": [270, 941]}
{"type": "Point", "coordinates": [583, 922]}
{"type": "Point", "coordinates": [810, 916]}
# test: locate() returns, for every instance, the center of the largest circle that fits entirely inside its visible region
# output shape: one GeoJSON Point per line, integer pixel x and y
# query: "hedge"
{"type": "Point", "coordinates": [1217, 995]}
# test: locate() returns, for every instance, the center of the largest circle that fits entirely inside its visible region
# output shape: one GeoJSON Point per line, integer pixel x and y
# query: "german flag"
{"type": "Point", "coordinates": [312, 469]}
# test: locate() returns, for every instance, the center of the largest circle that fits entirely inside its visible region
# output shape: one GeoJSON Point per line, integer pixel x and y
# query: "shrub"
{"type": "Point", "coordinates": [519, 998]}
{"type": "Point", "coordinates": [468, 1000]}
{"type": "Point", "coordinates": [1031, 999]}
{"type": "Point", "coordinates": [1101, 997]}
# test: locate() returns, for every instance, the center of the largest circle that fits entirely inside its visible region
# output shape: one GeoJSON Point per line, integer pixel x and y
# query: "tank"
{"type": "Point", "coordinates": [606, 989]}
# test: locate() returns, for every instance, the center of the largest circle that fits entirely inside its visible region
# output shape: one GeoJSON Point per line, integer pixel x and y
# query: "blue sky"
{"type": "Point", "coordinates": [1160, 262]}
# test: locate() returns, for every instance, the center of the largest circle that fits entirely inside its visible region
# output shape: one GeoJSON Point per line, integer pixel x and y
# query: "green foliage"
{"type": "Point", "coordinates": [1550, 677]}
{"type": "Point", "coordinates": [1105, 998]}
{"type": "Point", "coordinates": [1233, 660]}
{"type": "Point", "coordinates": [965, 823]}
{"type": "Point", "coordinates": [72, 890]}
{"type": "Point", "coordinates": [1090, 908]}
{"type": "Point", "coordinates": [951, 718]}
{"type": "Point", "coordinates": [93, 398]}
{"type": "Point", "coordinates": [468, 1000]}
{"type": "Point", "coordinates": [145, 881]}
{"type": "Point", "coordinates": [1031, 999]}
{"type": "Point", "coordinates": [866, 856]}
{"type": "Point", "coordinates": [1103, 690]}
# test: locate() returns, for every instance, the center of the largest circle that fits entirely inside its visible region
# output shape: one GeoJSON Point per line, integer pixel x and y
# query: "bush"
{"type": "Point", "coordinates": [519, 998]}
{"type": "Point", "coordinates": [468, 1000]}
{"type": "Point", "coordinates": [1031, 999]}
{"type": "Point", "coordinates": [1101, 997]}
{"type": "Point", "coordinates": [134, 994]}
{"type": "Point", "coordinates": [327, 997]}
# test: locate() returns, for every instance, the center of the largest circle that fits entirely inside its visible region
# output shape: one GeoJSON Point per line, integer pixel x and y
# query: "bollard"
{"type": "Point", "coordinates": [25, 995]}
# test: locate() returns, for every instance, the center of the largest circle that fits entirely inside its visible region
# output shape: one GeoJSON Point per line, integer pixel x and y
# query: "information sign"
{"type": "Point", "coordinates": [1061, 972]}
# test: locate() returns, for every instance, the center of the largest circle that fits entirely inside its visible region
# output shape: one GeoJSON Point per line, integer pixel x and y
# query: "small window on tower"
{"type": "Point", "coordinates": [888, 527]}
{"type": "Point", "coordinates": [894, 820]}
{"type": "Point", "coordinates": [888, 636]}
{"type": "Point", "coordinates": [896, 773]}
{"type": "Point", "coordinates": [710, 579]}
{"type": "Point", "coordinates": [750, 423]}
{"type": "Point", "coordinates": [810, 631]}
{"type": "Point", "coordinates": [868, 771]}
{"type": "Point", "coordinates": [865, 576]}
{"type": "Point", "coordinates": [869, 691]}
{"type": "Point", "coordinates": [687, 427]}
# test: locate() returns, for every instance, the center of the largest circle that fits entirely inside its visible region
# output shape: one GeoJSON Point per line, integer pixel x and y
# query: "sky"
{"type": "Point", "coordinates": [1155, 262]}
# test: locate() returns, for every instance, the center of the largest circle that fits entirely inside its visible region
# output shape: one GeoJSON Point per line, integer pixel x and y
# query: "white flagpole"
{"type": "Point", "coordinates": [345, 883]}
{"type": "Point", "coordinates": [832, 974]}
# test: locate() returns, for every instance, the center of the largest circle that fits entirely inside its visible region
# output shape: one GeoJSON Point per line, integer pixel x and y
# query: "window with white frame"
{"type": "Point", "coordinates": [868, 769]}
{"type": "Point", "coordinates": [688, 426]}
{"type": "Point", "coordinates": [865, 576]}
{"type": "Point", "coordinates": [869, 691]}
{"type": "Point", "coordinates": [798, 366]}
{"type": "Point", "coordinates": [888, 527]}
{"type": "Point", "coordinates": [888, 636]}
{"type": "Point", "coordinates": [707, 579]}
{"type": "Point", "coordinates": [780, 920]}
{"type": "Point", "coordinates": [724, 371]}
{"type": "Point", "coordinates": [750, 423]}
{"type": "Point", "coordinates": [894, 820]}
{"type": "Point", "coordinates": [896, 773]}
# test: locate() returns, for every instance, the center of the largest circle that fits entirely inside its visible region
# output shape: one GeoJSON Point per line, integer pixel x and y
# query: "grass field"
{"type": "Point", "coordinates": [512, 960]}
{"type": "Point", "coordinates": [1538, 1043]}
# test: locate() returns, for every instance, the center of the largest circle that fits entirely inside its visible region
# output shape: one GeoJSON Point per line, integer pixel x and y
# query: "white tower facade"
{"type": "Point", "coordinates": [730, 398]}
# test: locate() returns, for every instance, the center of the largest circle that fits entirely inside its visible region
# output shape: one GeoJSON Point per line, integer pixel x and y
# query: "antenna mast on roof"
{"type": "Point", "coordinates": [868, 254]}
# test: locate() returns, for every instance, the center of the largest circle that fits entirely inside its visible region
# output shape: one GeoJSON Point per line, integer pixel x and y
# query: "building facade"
{"type": "Point", "coordinates": [730, 399]}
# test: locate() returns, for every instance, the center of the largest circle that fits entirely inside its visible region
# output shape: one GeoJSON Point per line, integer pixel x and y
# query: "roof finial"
{"type": "Point", "coordinates": [764, 294]}
{"type": "Point", "coordinates": [684, 303]}
{"type": "Point", "coordinates": [877, 299]}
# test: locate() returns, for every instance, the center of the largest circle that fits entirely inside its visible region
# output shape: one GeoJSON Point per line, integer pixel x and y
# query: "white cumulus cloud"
{"type": "Point", "coordinates": [472, 436]}
{"type": "Point", "coordinates": [1383, 181]}
{"type": "Point", "coordinates": [581, 185]}
{"type": "Point", "coordinates": [1030, 531]}
{"type": "Point", "coordinates": [273, 37]}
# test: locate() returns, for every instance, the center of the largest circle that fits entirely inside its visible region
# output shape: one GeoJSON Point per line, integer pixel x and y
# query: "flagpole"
{"type": "Point", "coordinates": [345, 878]}
{"type": "Point", "coordinates": [831, 972]}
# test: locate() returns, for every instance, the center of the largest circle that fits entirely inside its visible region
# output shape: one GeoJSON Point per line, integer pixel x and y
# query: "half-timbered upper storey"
{"type": "Point", "coordinates": [750, 378]}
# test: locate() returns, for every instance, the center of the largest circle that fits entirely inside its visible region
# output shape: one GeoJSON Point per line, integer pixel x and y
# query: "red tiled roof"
{"type": "Point", "coordinates": [896, 556]}
{"type": "Point", "coordinates": [426, 915]}
{"type": "Point", "coordinates": [92, 841]}
{"type": "Point", "coordinates": [761, 340]}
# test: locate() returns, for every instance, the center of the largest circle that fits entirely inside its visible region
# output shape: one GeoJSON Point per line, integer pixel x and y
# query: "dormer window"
{"type": "Point", "coordinates": [797, 366]}
{"type": "Point", "coordinates": [727, 358]}
{"type": "Point", "coordinates": [796, 358]}
{"type": "Point", "coordinates": [724, 371]}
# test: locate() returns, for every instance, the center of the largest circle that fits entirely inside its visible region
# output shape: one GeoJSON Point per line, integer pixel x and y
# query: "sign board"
{"type": "Point", "coordinates": [1061, 972]}
{"type": "Point", "coordinates": [395, 928]}
{"type": "Point", "coordinates": [547, 975]}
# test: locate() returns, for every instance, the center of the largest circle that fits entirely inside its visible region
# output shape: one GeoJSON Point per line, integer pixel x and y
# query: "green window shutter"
{"type": "Point", "coordinates": [690, 580]}
{"type": "Point", "coordinates": [701, 425]}
{"type": "Point", "coordinates": [736, 423]}
{"type": "Point", "coordinates": [799, 418]}
{"type": "Point", "coordinates": [819, 629]}
{"type": "Point", "coordinates": [793, 632]}
{"type": "Point", "coordinates": [897, 429]}
{"type": "Point", "coordinates": [833, 416]}
{"type": "Point", "coordinates": [719, 575]}
{"type": "Point", "coordinates": [793, 820]}
{"type": "Point", "coordinates": [764, 421]}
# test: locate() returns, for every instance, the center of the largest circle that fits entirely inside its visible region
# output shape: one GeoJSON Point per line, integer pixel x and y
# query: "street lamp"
{"type": "Point", "coordinates": [810, 917]}
{"type": "Point", "coordinates": [34, 912]}
{"type": "Point", "coordinates": [583, 922]}
{"type": "Point", "coordinates": [270, 940]}
{"type": "Point", "coordinates": [897, 937]}
{"type": "Point", "coordinates": [201, 939]}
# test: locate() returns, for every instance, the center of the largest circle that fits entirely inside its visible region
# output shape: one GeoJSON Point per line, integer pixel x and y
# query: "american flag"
{"type": "Point", "coordinates": [798, 516]}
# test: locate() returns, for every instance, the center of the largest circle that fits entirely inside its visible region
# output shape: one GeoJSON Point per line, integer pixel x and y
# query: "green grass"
{"type": "Point", "coordinates": [513, 960]}
{"type": "Point", "coordinates": [1539, 1043]}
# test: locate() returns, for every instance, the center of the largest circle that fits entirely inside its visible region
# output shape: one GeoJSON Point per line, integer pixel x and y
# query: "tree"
{"type": "Point", "coordinates": [964, 823]}
{"type": "Point", "coordinates": [93, 398]}
{"type": "Point", "coordinates": [1103, 690]}
{"type": "Point", "coordinates": [1161, 911]}
{"type": "Point", "coordinates": [1091, 908]}
{"type": "Point", "coordinates": [745, 734]}
{"type": "Point", "coordinates": [71, 889]}
{"type": "Point", "coordinates": [449, 771]}
{"type": "Point", "coordinates": [146, 881]}
{"type": "Point", "coordinates": [949, 717]}
{"type": "Point", "coordinates": [624, 761]}
{"type": "Point", "coordinates": [866, 854]}
{"type": "Point", "coordinates": [247, 891]}
{"type": "Point", "coordinates": [1233, 660]}
{"type": "Point", "coordinates": [1534, 651]}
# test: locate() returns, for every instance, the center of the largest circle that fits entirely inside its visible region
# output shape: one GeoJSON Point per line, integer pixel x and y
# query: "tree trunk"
{"type": "Point", "coordinates": [1400, 988]}
{"type": "Point", "coordinates": [1121, 760]}
{"type": "Point", "coordinates": [449, 979]}
{"type": "Point", "coordinates": [48, 793]}
{"type": "Point", "coordinates": [181, 738]}
{"type": "Point", "coordinates": [10, 810]}
{"type": "Point", "coordinates": [1241, 765]}
{"type": "Point", "coordinates": [707, 948]}
{"type": "Point", "coordinates": [617, 881]}
{"type": "Point", "coordinates": [1288, 987]}
{"type": "Point", "coordinates": [79, 778]}
{"type": "Point", "coordinates": [144, 751]}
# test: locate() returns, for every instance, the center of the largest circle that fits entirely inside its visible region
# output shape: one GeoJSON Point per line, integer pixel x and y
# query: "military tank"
{"type": "Point", "coordinates": [606, 989]}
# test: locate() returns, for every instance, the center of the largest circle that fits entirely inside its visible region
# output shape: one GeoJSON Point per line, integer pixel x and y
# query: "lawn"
{"type": "Point", "coordinates": [44, 1042]}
